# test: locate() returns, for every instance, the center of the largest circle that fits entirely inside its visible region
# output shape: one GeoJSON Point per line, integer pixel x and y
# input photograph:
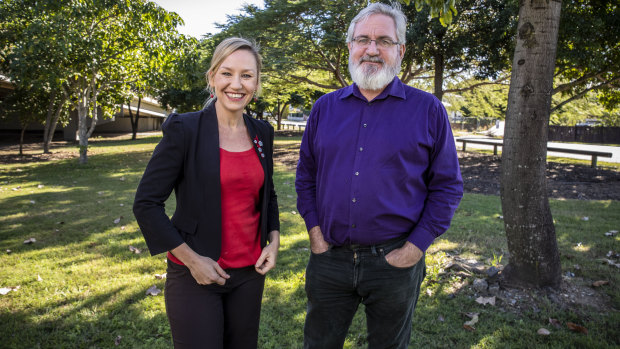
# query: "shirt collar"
{"type": "Point", "coordinates": [394, 88]}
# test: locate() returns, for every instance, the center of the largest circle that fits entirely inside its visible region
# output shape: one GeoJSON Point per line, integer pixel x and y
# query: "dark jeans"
{"type": "Point", "coordinates": [339, 279]}
{"type": "Point", "coordinates": [214, 316]}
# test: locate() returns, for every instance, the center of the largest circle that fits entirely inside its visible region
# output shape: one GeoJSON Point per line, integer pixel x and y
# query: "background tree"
{"type": "Point", "coordinates": [588, 58]}
{"type": "Point", "coordinates": [32, 58]}
{"type": "Point", "coordinates": [186, 86]}
{"type": "Point", "coordinates": [152, 68]}
{"type": "Point", "coordinates": [534, 257]}
{"type": "Point", "coordinates": [477, 43]}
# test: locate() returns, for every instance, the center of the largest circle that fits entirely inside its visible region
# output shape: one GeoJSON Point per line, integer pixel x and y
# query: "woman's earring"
{"type": "Point", "coordinates": [255, 98]}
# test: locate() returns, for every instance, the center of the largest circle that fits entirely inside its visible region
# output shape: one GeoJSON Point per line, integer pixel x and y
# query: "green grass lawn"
{"type": "Point", "coordinates": [82, 287]}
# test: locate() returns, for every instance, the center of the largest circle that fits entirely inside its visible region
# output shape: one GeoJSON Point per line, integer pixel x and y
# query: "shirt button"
{"type": "Point", "coordinates": [357, 173]}
{"type": "Point", "coordinates": [361, 149]}
{"type": "Point", "coordinates": [352, 225]}
{"type": "Point", "coordinates": [354, 200]}
{"type": "Point", "coordinates": [365, 125]}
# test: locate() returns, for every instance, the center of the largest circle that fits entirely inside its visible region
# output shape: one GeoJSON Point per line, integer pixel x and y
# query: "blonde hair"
{"type": "Point", "coordinates": [225, 49]}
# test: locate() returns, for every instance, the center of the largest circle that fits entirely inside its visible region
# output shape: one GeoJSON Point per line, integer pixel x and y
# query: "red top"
{"type": "Point", "coordinates": [241, 178]}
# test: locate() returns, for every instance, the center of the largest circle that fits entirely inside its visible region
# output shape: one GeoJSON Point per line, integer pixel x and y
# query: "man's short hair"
{"type": "Point", "coordinates": [378, 8]}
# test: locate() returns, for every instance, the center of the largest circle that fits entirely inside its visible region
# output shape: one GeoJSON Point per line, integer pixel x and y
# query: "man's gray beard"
{"type": "Point", "coordinates": [372, 79]}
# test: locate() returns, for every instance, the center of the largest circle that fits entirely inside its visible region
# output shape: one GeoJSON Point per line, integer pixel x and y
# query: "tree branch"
{"type": "Point", "coordinates": [305, 79]}
{"type": "Point", "coordinates": [584, 92]}
{"type": "Point", "coordinates": [469, 88]}
{"type": "Point", "coordinates": [569, 85]}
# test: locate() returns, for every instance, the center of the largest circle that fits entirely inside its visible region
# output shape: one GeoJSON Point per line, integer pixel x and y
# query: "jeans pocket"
{"type": "Point", "coordinates": [329, 248]}
{"type": "Point", "coordinates": [395, 267]}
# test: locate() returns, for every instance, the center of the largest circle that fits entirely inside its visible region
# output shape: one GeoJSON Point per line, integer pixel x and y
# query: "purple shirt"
{"type": "Point", "coordinates": [372, 171]}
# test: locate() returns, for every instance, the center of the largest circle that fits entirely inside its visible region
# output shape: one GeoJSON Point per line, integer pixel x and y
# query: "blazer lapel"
{"type": "Point", "coordinates": [207, 158]}
{"type": "Point", "coordinates": [258, 140]}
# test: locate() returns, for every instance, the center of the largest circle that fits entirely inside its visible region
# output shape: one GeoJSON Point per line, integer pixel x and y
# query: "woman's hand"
{"type": "Point", "coordinates": [268, 256]}
{"type": "Point", "coordinates": [205, 270]}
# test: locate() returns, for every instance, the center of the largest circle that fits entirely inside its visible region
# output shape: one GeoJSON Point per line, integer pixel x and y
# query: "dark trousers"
{"type": "Point", "coordinates": [214, 316]}
{"type": "Point", "coordinates": [339, 279]}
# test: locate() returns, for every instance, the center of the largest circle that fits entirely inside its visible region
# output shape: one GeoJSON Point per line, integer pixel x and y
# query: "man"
{"type": "Point", "coordinates": [377, 181]}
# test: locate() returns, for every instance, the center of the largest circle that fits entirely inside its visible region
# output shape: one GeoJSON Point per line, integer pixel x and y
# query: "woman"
{"type": "Point", "coordinates": [224, 235]}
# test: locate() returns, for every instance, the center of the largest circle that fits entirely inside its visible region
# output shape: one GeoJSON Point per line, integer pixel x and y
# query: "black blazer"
{"type": "Point", "coordinates": [187, 160]}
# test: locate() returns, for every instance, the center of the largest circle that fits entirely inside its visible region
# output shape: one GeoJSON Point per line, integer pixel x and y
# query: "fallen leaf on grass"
{"type": "Point", "coordinates": [118, 220]}
{"type": "Point", "coordinates": [121, 179]}
{"type": "Point", "coordinates": [600, 283]}
{"type": "Point", "coordinates": [153, 291]}
{"type": "Point", "coordinates": [134, 249]}
{"type": "Point", "coordinates": [33, 202]}
{"type": "Point", "coordinates": [576, 328]}
{"type": "Point", "coordinates": [555, 322]}
{"type": "Point", "coordinates": [469, 325]}
{"type": "Point", "coordinates": [8, 251]}
{"type": "Point", "coordinates": [30, 241]}
{"type": "Point", "coordinates": [585, 219]}
{"type": "Point", "coordinates": [440, 318]}
{"type": "Point", "coordinates": [39, 278]}
{"type": "Point", "coordinates": [468, 328]}
{"type": "Point", "coordinates": [5, 290]}
{"type": "Point", "coordinates": [486, 300]}
{"type": "Point", "coordinates": [160, 276]}
{"type": "Point", "coordinates": [117, 341]}
{"type": "Point", "coordinates": [543, 331]}
{"type": "Point", "coordinates": [611, 233]}
{"type": "Point", "coordinates": [610, 262]}
{"type": "Point", "coordinates": [40, 186]}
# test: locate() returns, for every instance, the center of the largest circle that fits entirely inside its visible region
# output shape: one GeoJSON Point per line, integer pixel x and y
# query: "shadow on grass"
{"type": "Point", "coordinates": [86, 321]}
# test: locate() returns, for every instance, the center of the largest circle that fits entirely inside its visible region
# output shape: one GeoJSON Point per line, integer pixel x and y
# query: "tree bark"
{"type": "Point", "coordinates": [534, 258]}
{"type": "Point", "coordinates": [87, 100]}
{"type": "Point", "coordinates": [21, 139]}
{"type": "Point", "coordinates": [134, 122]}
{"type": "Point", "coordinates": [48, 123]}
{"type": "Point", "coordinates": [438, 82]}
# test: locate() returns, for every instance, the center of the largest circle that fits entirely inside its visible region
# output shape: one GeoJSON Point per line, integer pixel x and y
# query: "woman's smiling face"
{"type": "Point", "coordinates": [235, 81]}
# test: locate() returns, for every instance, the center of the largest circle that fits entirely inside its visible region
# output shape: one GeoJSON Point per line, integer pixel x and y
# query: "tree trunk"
{"type": "Point", "coordinates": [438, 81]}
{"type": "Point", "coordinates": [134, 122]}
{"type": "Point", "coordinates": [83, 131]}
{"type": "Point", "coordinates": [21, 139]}
{"type": "Point", "coordinates": [48, 123]}
{"type": "Point", "coordinates": [88, 100]}
{"type": "Point", "coordinates": [534, 258]}
{"type": "Point", "coordinates": [279, 121]}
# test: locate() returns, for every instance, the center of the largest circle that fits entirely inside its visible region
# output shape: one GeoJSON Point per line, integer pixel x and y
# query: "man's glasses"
{"type": "Point", "coordinates": [364, 41]}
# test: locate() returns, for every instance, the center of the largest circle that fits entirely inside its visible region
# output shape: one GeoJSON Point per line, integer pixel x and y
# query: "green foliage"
{"type": "Point", "coordinates": [96, 54]}
{"type": "Point", "coordinates": [442, 9]}
{"type": "Point", "coordinates": [588, 56]}
{"type": "Point", "coordinates": [487, 101]}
